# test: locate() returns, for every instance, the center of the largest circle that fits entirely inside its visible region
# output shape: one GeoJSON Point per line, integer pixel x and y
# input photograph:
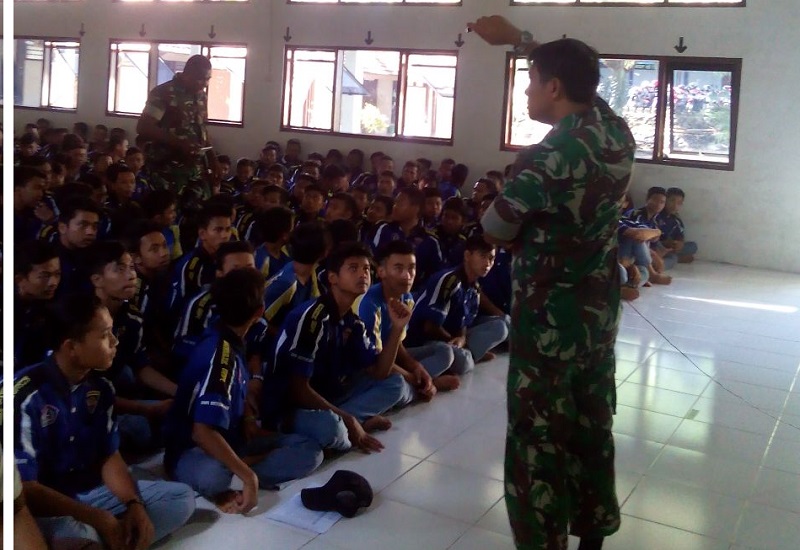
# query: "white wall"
{"type": "Point", "coordinates": [746, 217]}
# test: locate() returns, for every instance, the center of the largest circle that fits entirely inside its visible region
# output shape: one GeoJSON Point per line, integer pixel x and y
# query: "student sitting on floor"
{"type": "Point", "coordinates": [423, 367]}
{"type": "Point", "coordinates": [338, 383]}
{"type": "Point", "coordinates": [37, 272]}
{"type": "Point", "coordinates": [312, 205]}
{"type": "Point", "coordinates": [673, 247]}
{"type": "Point", "coordinates": [161, 207]}
{"type": "Point", "coordinates": [449, 231]}
{"type": "Point", "coordinates": [67, 444]}
{"type": "Point", "coordinates": [447, 310]}
{"type": "Point", "coordinates": [206, 440]}
{"type": "Point", "coordinates": [647, 216]}
{"type": "Point", "coordinates": [379, 213]}
{"type": "Point", "coordinates": [275, 227]}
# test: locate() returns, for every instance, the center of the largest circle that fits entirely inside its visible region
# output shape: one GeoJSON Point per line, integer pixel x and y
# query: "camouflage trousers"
{"type": "Point", "coordinates": [559, 465]}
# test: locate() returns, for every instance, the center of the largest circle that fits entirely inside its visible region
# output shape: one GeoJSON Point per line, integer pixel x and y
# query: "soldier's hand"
{"type": "Point", "coordinates": [496, 30]}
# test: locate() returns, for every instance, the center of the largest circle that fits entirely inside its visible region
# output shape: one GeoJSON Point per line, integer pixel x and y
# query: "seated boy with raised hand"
{"type": "Point", "coordinates": [673, 247]}
{"type": "Point", "coordinates": [67, 443]}
{"type": "Point", "coordinates": [296, 282]}
{"type": "Point", "coordinates": [207, 443]}
{"type": "Point", "coordinates": [113, 277]}
{"type": "Point", "coordinates": [423, 367]}
{"type": "Point", "coordinates": [447, 310]}
{"type": "Point", "coordinates": [275, 227]}
{"type": "Point", "coordinates": [338, 383]}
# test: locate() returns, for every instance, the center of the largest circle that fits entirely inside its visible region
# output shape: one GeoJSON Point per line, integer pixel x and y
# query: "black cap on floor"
{"type": "Point", "coordinates": [345, 493]}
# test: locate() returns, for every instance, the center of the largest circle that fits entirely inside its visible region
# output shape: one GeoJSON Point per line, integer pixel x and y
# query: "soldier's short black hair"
{"type": "Point", "coordinates": [197, 63]}
{"type": "Point", "coordinates": [238, 296]}
{"type": "Point", "coordinates": [575, 64]}
{"type": "Point", "coordinates": [344, 252]}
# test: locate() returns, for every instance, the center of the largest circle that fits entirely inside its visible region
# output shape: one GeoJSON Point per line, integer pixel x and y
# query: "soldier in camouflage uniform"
{"type": "Point", "coordinates": [174, 121]}
{"type": "Point", "coordinates": [560, 216]}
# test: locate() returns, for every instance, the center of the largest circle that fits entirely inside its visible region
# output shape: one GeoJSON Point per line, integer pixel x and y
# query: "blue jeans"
{"type": "Point", "coordinates": [436, 357]}
{"type": "Point", "coordinates": [367, 398]}
{"type": "Point", "coordinates": [486, 333]}
{"type": "Point", "coordinates": [288, 457]}
{"type": "Point", "coordinates": [639, 251]}
{"type": "Point", "coordinates": [169, 505]}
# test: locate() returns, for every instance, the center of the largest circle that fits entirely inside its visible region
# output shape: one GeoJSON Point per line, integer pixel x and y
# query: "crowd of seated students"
{"type": "Point", "coordinates": [249, 335]}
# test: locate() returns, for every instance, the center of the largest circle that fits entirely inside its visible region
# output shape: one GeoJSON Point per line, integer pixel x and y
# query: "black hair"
{"type": "Point", "coordinates": [71, 317]}
{"type": "Point", "coordinates": [400, 247]}
{"type": "Point", "coordinates": [656, 191]}
{"type": "Point", "coordinates": [27, 139]}
{"type": "Point", "coordinates": [457, 205]}
{"type": "Point", "coordinates": [415, 196]}
{"type": "Point", "coordinates": [77, 204]}
{"type": "Point", "coordinates": [431, 176]}
{"type": "Point", "coordinates": [676, 192]}
{"type": "Point", "coordinates": [113, 141]}
{"type": "Point", "coordinates": [275, 222]}
{"type": "Point", "coordinates": [307, 178]}
{"type": "Point", "coordinates": [345, 251]}
{"type": "Point", "coordinates": [277, 168]}
{"type": "Point", "coordinates": [81, 128]}
{"type": "Point", "coordinates": [62, 195]}
{"type": "Point", "coordinates": [29, 254]}
{"type": "Point", "coordinates": [459, 174]}
{"type": "Point", "coordinates": [359, 189]}
{"type": "Point", "coordinates": [137, 231]}
{"type": "Point", "coordinates": [133, 150]}
{"type": "Point", "coordinates": [387, 157]}
{"type": "Point", "coordinates": [432, 192]}
{"type": "Point", "coordinates": [92, 180]}
{"type": "Point", "coordinates": [477, 243]}
{"type": "Point", "coordinates": [197, 63]}
{"type": "Point", "coordinates": [490, 182]}
{"type": "Point", "coordinates": [293, 141]}
{"type": "Point", "coordinates": [307, 243]}
{"type": "Point", "coordinates": [424, 164]}
{"type": "Point", "coordinates": [117, 131]}
{"type": "Point", "coordinates": [213, 209]}
{"type": "Point", "coordinates": [316, 158]}
{"type": "Point", "coordinates": [102, 253]}
{"type": "Point", "coordinates": [388, 202]}
{"type": "Point", "coordinates": [224, 159]}
{"type": "Point", "coordinates": [359, 153]}
{"type": "Point", "coordinates": [157, 201]}
{"type": "Point", "coordinates": [101, 127]}
{"type": "Point", "coordinates": [116, 169]}
{"type": "Point", "coordinates": [242, 162]}
{"type": "Point", "coordinates": [349, 202]}
{"type": "Point", "coordinates": [573, 63]}
{"type": "Point", "coordinates": [335, 154]}
{"type": "Point", "coordinates": [24, 174]}
{"type": "Point", "coordinates": [36, 161]}
{"type": "Point", "coordinates": [333, 171]}
{"type": "Point", "coordinates": [342, 231]}
{"type": "Point", "coordinates": [387, 174]}
{"type": "Point", "coordinates": [238, 296]}
{"type": "Point", "coordinates": [71, 142]}
{"type": "Point", "coordinates": [314, 188]}
{"type": "Point", "coordinates": [231, 247]}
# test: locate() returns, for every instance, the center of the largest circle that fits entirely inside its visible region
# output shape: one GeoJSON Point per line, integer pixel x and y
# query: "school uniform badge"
{"type": "Point", "coordinates": [49, 416]}
{"type": "Point", "coordinates": [92, 398]}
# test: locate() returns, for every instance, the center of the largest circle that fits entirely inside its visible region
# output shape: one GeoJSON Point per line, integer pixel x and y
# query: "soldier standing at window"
{"type": "Point", "coordinates": [559, 214]}
{"type": "Point", "coordinates": [174, 122]}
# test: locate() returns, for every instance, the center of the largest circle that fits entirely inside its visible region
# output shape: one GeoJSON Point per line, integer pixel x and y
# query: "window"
{"type": "Point", "coordinates": [650, 3]}
{"type": "Point", "coordinates": [681, 111]}
{"type": "Point", "coordinates": [379, 93]}
{"type": "Point", "coordinates": [46, 73]}
{"type": "Point", "coordinates": [408, 2]}
{"type": "Point", "coordinates": [174, 1]}
{"type": "Point", "coordinates": [137, 67]}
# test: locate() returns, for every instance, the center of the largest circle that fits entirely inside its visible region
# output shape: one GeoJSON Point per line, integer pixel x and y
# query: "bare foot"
{"type": "Point", "coordinates": [648, 284]}
{"type": "Point", "coordinates": [226, 502]}
{"type": "Point", "coordinates": [488, 357]}
{"type": "Point", "coordinates": [685, 259]}
{"type": "Point", "coordinates": [377, 424]}
{"type": "Point", "coordinates": [629, 293]}
{"type": "Point", "coordinates": [660, 279]}
{"type": "Point", "coordinates": [447, 382]}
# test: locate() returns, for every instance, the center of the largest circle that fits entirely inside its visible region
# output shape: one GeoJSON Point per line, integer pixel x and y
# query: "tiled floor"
{"type": "Point", "coordinates": [703, 463]}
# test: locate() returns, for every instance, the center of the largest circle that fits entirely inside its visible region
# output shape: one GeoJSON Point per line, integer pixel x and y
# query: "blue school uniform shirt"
{"type": "Point", "coordinates": [373, 310]}
{"type": "Point", "coordinates": [448, 300]}
{"type": "Point", "coordinates": [193, 270]}
{"type": "Point", "coordinates": [496, 286]}
{"type": "Point", "coordinates": [671, 226]}
{"type": "Point", "coordinates": [451, 246]}
{"type": "Point", "coordinates": [426, 247]}
{"type": "Point", "coordinates": [131, 353]}
{"type": "Point", "coordinates": [268, 264]}
{"type": "Point", "coordinates": [284, 293]}
{"type": "Point", "coordinates": [329, 349]}
{"type": "Point", "coordinates": [212, 390]}
{"type": "Point", "coordinates": [63, 434]}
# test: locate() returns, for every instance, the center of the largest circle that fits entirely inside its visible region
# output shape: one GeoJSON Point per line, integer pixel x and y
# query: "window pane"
{"type": "Point", "coordinates": [309, 94]}
{"type": "Point", "coordinates": [430, 91]}
{"type": "Point", "coordinates": [63, 90]}
{"type": "Point", "coordinates": [699, 116]}
{"type": "Point", "coordinates": [523, 131]}
{"type": "Point", "coordinates": [28, 67]}
{"type": "Point", "coordinates": [367, 92]}
{"type": "Point", "coordinates": [172, 58]}
{"type": "Point", "coordinates": [129, 81]}
{"type": "Point", "coordinates": [630, 87]}
{"type": "Point", "coordinates": [226, 89]}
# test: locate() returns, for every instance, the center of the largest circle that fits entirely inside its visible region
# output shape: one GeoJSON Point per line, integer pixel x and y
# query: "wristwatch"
{"type": "Point", "coordinates": [525, 40]}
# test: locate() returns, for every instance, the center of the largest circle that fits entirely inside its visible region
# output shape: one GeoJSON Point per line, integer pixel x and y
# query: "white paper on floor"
{"type": "Point", "coordinates": [292, 512]}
